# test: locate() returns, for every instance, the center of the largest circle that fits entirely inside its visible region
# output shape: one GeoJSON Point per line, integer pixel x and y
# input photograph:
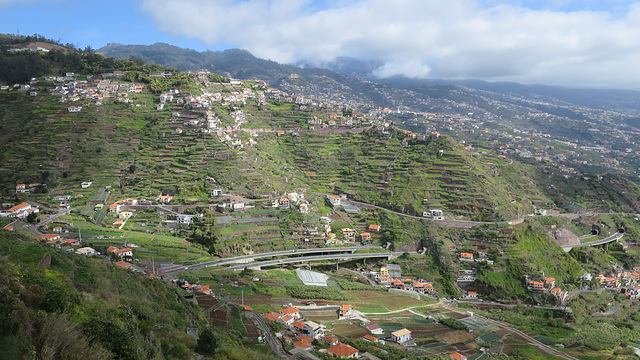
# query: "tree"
{"type": "Point", "coordinates": [31, 218]}
{"type": "Point", "coordinates": [207, 343]}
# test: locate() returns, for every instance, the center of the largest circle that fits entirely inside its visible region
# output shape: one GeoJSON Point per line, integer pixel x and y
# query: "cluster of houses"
{"type": "Point", "coordinates": [184, 284]}
{"type": "Point", "coordinates": [390, 275]}
{"type": "Point", "coordinates": [107, 86]}
{"type": "Point", "coordinates": [25, 189]}
{"type": "Point", "coordinates": [296, 199]}
{"type": "Point", "coordinates": [337, 121]}
{"type": "Point", "coordinates": [305, 332]}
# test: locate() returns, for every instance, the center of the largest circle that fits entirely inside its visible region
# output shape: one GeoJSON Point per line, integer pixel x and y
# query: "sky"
{"type": "Point", "coordinates": [573, 43]}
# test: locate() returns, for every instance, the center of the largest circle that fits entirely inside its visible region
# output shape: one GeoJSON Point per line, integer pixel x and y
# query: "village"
{"type": "Point", "coordinates": [108, 218]}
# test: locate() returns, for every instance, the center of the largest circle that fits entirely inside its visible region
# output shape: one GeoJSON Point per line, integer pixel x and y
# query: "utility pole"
{"type": "Point", "coordinates": [243, 297]}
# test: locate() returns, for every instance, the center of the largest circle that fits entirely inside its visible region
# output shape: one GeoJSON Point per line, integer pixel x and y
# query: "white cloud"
{"type": "Point", "coordinates": [418, 38]}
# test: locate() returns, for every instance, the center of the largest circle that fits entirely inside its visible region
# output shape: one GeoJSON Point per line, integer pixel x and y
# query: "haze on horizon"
{"type": "Point", "coordinates": [573, 43]}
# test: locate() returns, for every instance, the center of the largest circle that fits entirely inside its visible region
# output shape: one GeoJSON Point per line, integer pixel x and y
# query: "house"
{"type": "Point", "coordinates": [401, 336]}
{"type": "Point", "coordinates": [216, 192]}
{"type": "Point", "coordinates": [384, 271]}
{"type": "Point", "coordinates": [536, 285]}
{"type": "Point", "coordinates": [456, 355]}
{"type": "Point", "coordinates": [74, 109]}
{"type": "Point", "coordinates": [330, 340]}
{"type": "Point", "coordinates": [374, 227]}
{"type": "Point", "coordinates": [433, 214]}
{"type": "Point", "coordinates": [343, 350]}
{"type": "Point", "coordinates": [283, 203]}
{"type": "Point", "coordinates": [365, 237]}
{"type": "Point", "coordinates": [272, 316]}
{"type": "Point", "coordinates": [50, 237]}
{"type": "Point", "coordinates": [549, 282]}
{"type": "Point", "coordinates": [428, 288]}
{"type": "Point", "coordinates": [334, 200]}
{"type": "Point", "coordinates": [396, 284]}
{"type": "Point", "coordinates": [374, 328]}
{"type": "Point", "coordinates": [297, 326]}
{"type": "Point", "coordinates": [19, 211]}
{"type": "Point", "coordinates": [72, 242]}
{"type": "Point", "coordinates": [9, 228]}
{"type": "Point", "coordinates": [349, 234]}
{"type": "Point", "coordinates": [86, 251]}
{"type": "Point", "coordinates": [237, 205]}
{"type": "Point", "coordinates": [287, 320]}
{"type": "Point", "coordinates": [302, 345]}
{"type": "Point", "coordinates": [556, 291]}
{"type": "Point", "coordinates": [57, 229]}
{"type": "Point", "coordinates": [21, 188]}
{"type": "Point", "coordinates": [164, 199]}
{"type": "Point", "coordinates": [370, 338]}
{"type": "Point", "coordinates": [418, 287]}
{"type": "Point", "coordinates": [124, 264]}
{"type": "Point", "coordinates": [471, 295]}
{"type": "Point", "coordinates": [86, 184]}
{"type": "Point", "coordinates": [120, 252]}
{"type": "Point", "coordinates": [291, 310]}
{"type": "Point", "coordinates": [466, 256]}
{"type": "Point", "coordinates": [306, 339]}
{"type": "Point", "coordinates": [314, 330]}
{"type": "Point", "coordinates": [345, 310]}
{"type": "Point", "coordinates": [114, 208]}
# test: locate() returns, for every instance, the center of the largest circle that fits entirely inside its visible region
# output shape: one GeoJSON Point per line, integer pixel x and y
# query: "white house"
{"type": "Point", "coordinates": [86, 251]}
{"type": "Point", "coordinates": [401, 336]}
{"type": "Point", "coordinates": [314, 330]}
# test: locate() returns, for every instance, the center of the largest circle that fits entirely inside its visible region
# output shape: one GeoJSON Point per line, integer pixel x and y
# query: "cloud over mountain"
{"type": "Point", "coordinates": [491, 40]}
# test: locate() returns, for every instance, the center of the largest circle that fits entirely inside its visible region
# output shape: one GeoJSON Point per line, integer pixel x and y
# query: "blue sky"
{"type": "Point", "coordinates": [579, 43]}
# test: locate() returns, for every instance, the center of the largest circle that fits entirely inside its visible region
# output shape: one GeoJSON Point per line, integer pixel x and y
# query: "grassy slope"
{"type": "Point", "coordinates": [86, 307]}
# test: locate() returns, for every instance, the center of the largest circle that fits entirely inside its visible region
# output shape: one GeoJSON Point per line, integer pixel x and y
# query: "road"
{"type": "Point", "coordinates": [275, 344]}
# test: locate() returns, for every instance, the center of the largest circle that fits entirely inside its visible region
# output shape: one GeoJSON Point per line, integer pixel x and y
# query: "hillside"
{"type": "Point", "coordinates": [57, 305]}
{"type": "Point", "coordinates": [185, 168]}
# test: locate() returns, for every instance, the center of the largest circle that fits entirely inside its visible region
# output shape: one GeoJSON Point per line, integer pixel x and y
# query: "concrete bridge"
{"type": "Point", "coordinates": [301, 254]}
{"type": "Point", "coordinates": [609, 239]}
{"type": "Point", "coordinates": [302, 259]}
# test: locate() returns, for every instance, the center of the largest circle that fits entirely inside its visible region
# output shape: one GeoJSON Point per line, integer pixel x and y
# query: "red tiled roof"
{"type": "Point", "coordinates": [289, 310]}
{"type": "Point", "coordinates": [302, 345]}
{"type": "Point", "coordinates": [457, 356]}
{"type": "Point", "coordinates": [370, 338]}
{"type": "Point", "coordinates": [306, 339]}
{"type": "Point", "coordinates": [272, 316]}
{"type": "Point", "coordinates": [298, 324]}
{"type": "Point", "coordinates": [342, 350]}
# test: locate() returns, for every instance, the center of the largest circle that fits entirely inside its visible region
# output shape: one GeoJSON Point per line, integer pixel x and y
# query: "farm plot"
{"type": "Point", "coordinates": [252, 330]}
{"type": "Point", "coordinates": [367, 299]}
{"type": "Point", "coordinates": [220, 317]}
{"type": "Point", "coordinates": [349, 330]}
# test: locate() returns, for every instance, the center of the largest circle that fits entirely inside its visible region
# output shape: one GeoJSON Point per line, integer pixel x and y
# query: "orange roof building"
{"type": "Point", "coordinates": [343, 350]}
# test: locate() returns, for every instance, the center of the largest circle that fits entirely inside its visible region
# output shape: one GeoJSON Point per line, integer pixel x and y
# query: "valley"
{"type": "Point", "coordinates": [471, 224]}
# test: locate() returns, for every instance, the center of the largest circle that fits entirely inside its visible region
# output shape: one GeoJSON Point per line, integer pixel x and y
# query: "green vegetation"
{"type": "Point", "coordinates": [79, 307]}
{"type": "Point", "coordinates": [315, 292]}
